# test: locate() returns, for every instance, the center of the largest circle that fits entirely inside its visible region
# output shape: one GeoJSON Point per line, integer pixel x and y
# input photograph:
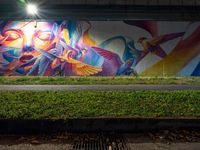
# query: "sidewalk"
{"type": "Point", "coordinates": [98, 87]}
{"type": "Point", "coordinates": [132, 146]}
{"type": "Point", "coordinates": [161, 140]}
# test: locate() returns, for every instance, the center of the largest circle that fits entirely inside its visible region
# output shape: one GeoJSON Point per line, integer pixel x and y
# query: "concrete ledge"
{"type": "Point", "coordinates": [9, 126]}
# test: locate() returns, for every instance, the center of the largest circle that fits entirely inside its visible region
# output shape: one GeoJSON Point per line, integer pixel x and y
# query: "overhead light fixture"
{"type": "Point", "coordinates": [32, 9]}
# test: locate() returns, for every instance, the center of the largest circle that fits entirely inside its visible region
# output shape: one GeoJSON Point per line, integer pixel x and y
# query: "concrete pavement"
{"type": "Point", "coordinates": [131, 146]}
{"type": "Point", "coordinates": [98, 87]}
{"type": "Point", "coordinates": [162, 140]}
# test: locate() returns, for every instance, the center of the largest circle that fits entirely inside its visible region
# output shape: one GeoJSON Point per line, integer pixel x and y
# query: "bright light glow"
{"type": "Point", "coordinates": [31, 9]}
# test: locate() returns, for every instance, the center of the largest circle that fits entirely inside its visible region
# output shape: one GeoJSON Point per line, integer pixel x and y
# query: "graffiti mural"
{"type": "Point", "coordinates": [99, 48]}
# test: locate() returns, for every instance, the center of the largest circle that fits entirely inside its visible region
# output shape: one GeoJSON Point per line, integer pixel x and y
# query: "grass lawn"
{"type": "Point", "coordinates": [99, 80]}
{"type": "Point", "coordinates": [63, 104]}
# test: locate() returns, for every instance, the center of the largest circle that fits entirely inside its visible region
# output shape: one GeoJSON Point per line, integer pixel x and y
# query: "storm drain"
{"type": "Point", "coordinates": [99, 143]}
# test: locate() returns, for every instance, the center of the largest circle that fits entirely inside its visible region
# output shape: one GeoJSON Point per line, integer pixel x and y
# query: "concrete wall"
{"type": "Point", "coordinates": [105, 48]}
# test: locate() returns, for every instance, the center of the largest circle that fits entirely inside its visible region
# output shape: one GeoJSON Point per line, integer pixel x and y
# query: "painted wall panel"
{"type": "Point", "coordinates": [99, 48]}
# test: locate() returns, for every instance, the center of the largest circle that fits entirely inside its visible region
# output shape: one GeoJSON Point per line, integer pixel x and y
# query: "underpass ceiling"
{"type": "Point", "coordinates": [104, 9]}
{"type": "Point", "coordinates": [111, 2]}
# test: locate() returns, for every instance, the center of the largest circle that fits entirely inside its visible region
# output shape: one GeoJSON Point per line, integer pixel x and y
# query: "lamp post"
{"type": "Point", "coordinates": [32, 10]}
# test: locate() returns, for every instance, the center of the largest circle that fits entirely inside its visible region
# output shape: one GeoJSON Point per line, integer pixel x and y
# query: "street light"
{"type": "Point", "coordinates": [31, 9]}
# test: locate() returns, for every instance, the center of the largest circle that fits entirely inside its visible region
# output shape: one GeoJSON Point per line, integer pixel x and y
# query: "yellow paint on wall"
{"type": "Point", "coordinates": [66, 36]}
{"type": "Point", "coordinates": [180, 56]}
{"type": "Point", "coordinates": [87, 40]}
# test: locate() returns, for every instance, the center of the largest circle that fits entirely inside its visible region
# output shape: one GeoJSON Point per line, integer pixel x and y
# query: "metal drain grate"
{"type": "Point", "coordinates": [99, 143]}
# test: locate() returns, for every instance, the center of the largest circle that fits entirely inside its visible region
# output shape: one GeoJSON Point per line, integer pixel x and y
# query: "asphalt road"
{"type": "Point", "coordinates": [97, 87]}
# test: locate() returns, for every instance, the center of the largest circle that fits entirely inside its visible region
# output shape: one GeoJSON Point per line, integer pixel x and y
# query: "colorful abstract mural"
{"type": "Point", "coordinates": [99, 48]}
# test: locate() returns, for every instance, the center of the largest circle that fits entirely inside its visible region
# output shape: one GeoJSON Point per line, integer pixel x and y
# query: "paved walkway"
{"type": "Point", "coordinates": [98, 87]}
{"type": "Point", "coordinates": [132, 146]}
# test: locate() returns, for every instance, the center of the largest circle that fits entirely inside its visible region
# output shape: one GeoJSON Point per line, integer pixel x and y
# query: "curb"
{"type": "Point", "coordinates": [10, 126]}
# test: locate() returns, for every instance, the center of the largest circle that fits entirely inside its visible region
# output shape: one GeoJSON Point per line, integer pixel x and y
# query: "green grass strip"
{"type": "Point", "coordinates": [65, 104]}
{"type": "Point", "coordinates": [99, 80]}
